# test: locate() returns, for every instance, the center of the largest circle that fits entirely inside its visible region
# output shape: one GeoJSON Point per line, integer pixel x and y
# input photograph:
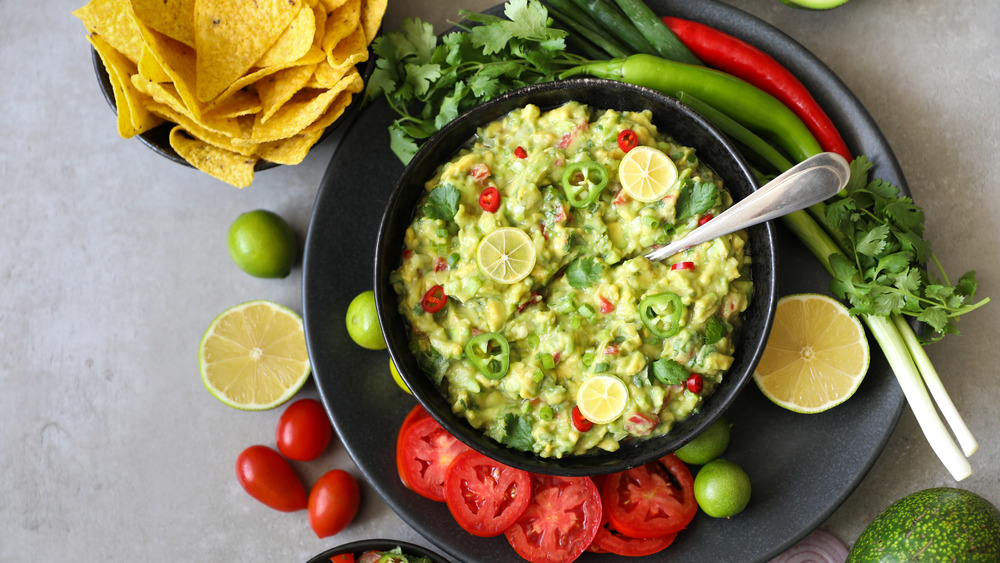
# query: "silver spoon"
{"type": "Point", "coordinates": [813, 180]}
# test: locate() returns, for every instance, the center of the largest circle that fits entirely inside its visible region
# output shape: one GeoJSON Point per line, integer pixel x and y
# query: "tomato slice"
{"type": "Point", "coordinates": [609, 540]}
{"type": "Point", "coordinates": [485, 496]}
{"type": "Point", "coordinates": [560, 522]}
{"type": "Point", "coordinates": [416, 413]}
{"type": "Point", "coordinates": [652, 500]}
{"type": "Point", "coordinates": [428, 449]}
{"type": "Point", "coordinates": [343, 558]}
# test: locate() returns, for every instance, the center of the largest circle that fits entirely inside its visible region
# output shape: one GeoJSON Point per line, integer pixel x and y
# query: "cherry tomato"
{"type": "Point", "coordinates": [560, 522]}
{"type": "Point", "coordinates": [267, 477]}
{"type": "Point", "coordinates": [485, 496]}
{"type": "Point", "coordinates": [428, 449]}
{"type": "Point", "coordinates": [416, 413]}
{"type": "Point", "coordinates": [652, 500]}
{"type": "Point", "coordinates": [333, 502]}
{"type": "Point", "coordinates": [304, 430]}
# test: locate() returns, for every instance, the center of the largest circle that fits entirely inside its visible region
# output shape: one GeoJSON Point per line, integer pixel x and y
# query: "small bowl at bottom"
{"type": "Point", "coordinates": [358, 548]}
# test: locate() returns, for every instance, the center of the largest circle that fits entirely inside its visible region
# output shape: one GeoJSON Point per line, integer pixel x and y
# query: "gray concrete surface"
{"type": "Point", "coordinates": [113, 262]}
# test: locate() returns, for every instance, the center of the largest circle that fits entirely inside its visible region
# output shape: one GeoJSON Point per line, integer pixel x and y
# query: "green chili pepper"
{"type": "Point", "coordinates": [489, 353]}
{"type": "Point", "coordinates": [583, 182]}
{"type": "Point", "coordinates": [661, 313]}
{"type": "Point", "coordinates": [752, 107]}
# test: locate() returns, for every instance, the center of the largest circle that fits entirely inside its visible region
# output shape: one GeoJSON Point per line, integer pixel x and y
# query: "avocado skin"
{"type": "Point", "coordinates": [939, 524]}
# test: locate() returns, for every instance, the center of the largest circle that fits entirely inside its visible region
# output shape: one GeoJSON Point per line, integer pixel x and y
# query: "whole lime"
{"type": "Point", "coordinates": [722, 488]}
{"type": "Point", "coordinates": [262, 244]}
{"type": "Point", "coordinates": [398, 378]}
{"type": "Point", "coordinates": [708, 445]}
{"type": "Point", "coordinates": [362, 322]}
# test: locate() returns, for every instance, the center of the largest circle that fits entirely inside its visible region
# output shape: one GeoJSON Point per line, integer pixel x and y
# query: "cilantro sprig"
{"type": "Point", "coordinates": [428, 82]}
{"type": "Point", "coordinates": [882, 270]}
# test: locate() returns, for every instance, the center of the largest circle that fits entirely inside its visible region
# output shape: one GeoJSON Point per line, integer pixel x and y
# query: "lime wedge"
{"type": "Point", "coordinates": [646, 173]}
{"type": "Point", "coordinates": [253, 356]}
{"type": "Point", "coordinates": [507, 255]}
{"type": "Point", "coordinates": [602, 398]}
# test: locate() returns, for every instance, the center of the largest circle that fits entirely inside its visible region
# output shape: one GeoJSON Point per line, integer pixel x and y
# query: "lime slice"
{"type": "Point", "coordinates": [506, 255]}
{"type": "Point", "coordinates": [253, 356]}
{"type": "Point", "coordinates": [602, 398]}
{"type": "Point", "coordinates": [816, 356]}
{"type": "Point", "coordinates": [646, 173]}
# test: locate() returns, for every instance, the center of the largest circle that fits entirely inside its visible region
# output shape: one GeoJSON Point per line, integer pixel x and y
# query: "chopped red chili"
{"type": "Point", "coordinates": [480, 172]}
{"type": "Point", "coordinates": [407, 253]}
{"type": "Point", "coordinates": [535, 298]}
{"type": "Point", "coordinates": [683, 266]}
{"type": "Point", "coordinates": [519, 152]}
{"type": "Point", "coordinates": [612, 350]}
{"type": "Point", "coordinates": [580, 422]}
{"type": "Point", "coordinates": [628, 140]}
{"type": "Point", "coordinates": [440, 264]}
{"type": "Point", "coordinates": [434, 300]}
{"type": "Point", "coordinates": [704, 219]}
{"type": "Point", "coordinates": [489, 199]}
{"type": "Point", "coordinates": [606, 306]}
{"type": "Point", "coordinates": [695, 382]}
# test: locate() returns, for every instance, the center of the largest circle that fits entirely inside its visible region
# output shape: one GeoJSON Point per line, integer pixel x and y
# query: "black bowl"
{"type": "Point", "coordinates": [673, 119]}
{"type": "Point", "coordinates": [358, 547]}
{"type": "Point", "coordinates": [158, 138]}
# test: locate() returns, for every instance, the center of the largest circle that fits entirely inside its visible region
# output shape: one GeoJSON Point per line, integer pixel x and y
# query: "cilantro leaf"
{"type": "Point", "coordinates": [516, 432]}
{"type": "Point", "coordinates": [695, 198]}
{"type": "Point", "coordinates": [715, 330]}
{"type": "Point", "coordinates": [442, 202]}
{"type": "Point", "coordinates": [669, 372]}
{"type": "Point", "coordinates": [583, 272]}
{"type": "Point", "coordinates": [401, 143]}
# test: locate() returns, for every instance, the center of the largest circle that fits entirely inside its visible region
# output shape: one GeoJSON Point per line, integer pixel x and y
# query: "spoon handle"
{"type": "Point", "coordinates": [811, 181]}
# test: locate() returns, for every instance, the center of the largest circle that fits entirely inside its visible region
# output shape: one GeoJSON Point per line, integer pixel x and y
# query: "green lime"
{"type": "Point", "coordinates": [362, 322]}
{"type": "Point", "coordinates": [708, 445]}
{"type": "Point", "coordinates": [397, 378]}
{"type": "Point", "coordinates": [814, 4]}
{"type": "Point", "coordinates": [722, 488]}
{"type": "Point", "coordinates": [262, 244]}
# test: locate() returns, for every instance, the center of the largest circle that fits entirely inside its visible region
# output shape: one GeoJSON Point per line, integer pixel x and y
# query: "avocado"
{"type": "Point", "coordinates": [939, 524]}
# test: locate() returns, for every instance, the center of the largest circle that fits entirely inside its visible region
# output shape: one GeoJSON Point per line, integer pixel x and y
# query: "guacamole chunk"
{"type": "Point", "coordinates": [510, 357]}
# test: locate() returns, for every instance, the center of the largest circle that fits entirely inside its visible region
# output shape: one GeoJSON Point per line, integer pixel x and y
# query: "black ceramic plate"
{"type": "Point", "coordinates": [158, 138]}
{"type": "Point", "coordinates": [359, 547]}
{"type": "Point", "coordinates": [802, 466]}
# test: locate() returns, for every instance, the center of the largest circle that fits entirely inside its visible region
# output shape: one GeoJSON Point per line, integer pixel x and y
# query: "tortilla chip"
{"type": "Point", "coordinates": [305, 107]}
{"type": "Point", "coordinates": [319, 13]}
{"type": "Point", "coordinates": [332, 5]}
{"type": "Point", "coordinates": [294, 43]}
{"type": "Point", "coordinates": [372, 12]}
{"type": "Point", "coordinates": [133, 118]}
{"type": "Point", "coordinates": [242, 144]}
{"type": "Point", "coordinates": [289, 151]}
{"type": "Point", "coordinates": [231, 35]}
{"type": "Point", "coordinates": [113, 20]}
{"type": "Point", "coordinates": [279, 87]}
{"type": "Point", "coordinates": [178, 61]}
{"type": "Point", "coordinates": [340, 23]}
{"type": "Point", "coordinates": [351, 50]}
{"type": "Point", "coordinates": [314, 56]}
{"type": "Point", "coordinates": [166, 94]}
{"type": "Point", "coordinates": [241, 102]}
{"type": "Point", "coordinates": [232, 168]}
{"type": "Point", "coordinates": [150, 67]}
{"type": "Point", "coordinates": [173, 18]}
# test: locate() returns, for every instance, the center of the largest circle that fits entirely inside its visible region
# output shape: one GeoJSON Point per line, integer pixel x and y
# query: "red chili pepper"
{"type": "Point", "coordinates": [694, 383]}
{"type": "Point", "coordinates": [704, 219]}
{"type": "Point", "coordinates": [489, 199]}
{"type": "Point", "coordinates": [580, 422]}
{"type": "Point", "coordinates": [628, 140]}
{"type": "Point", "coordinates": [606, 306]}
{"type": "Point", "coordinates": [535, 298]}
{"type": "Point", "coordinates": [683, 266]}
{"type": "Point", "coordinates": [519, 152]}
{"type": "Point", "coordinates": [434, 300]}
{"type": "Point", "coordinates": [733, 55]}
{"type": "Point", "coordinates": [440, 264]}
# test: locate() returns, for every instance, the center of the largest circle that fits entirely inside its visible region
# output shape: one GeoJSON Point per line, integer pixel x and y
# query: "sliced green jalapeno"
{"type": "Point", "coordinates": [489, 353]}
{"type": "Point", "coordinates": [583, 182]}
{"type": "Point", "coordinates": [661, 313]}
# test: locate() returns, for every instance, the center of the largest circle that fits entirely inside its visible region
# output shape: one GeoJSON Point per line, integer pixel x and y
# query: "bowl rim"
{"type": "Point", "coordinates": [360, 546]}
{"type": "Point", "coordinates": [431, 396]}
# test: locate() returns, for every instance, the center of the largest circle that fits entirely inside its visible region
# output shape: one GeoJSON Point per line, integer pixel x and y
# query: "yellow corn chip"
{"type": "Point", "coordinates": [150, 68]}
{"type": "Point", "coordinates": [242, 102]}
{"type": "Point", "coordinates": [319, 13]}
{"type": "Point", "coordinates": [242, 144]}
{"type": "Point", "coordinates": [113, 21]}
{"type": "Point", "coordinates": [133, 118]}
{"type": "Point", "coordinates": [372, 12]}
{"type": "Point", "coordinates": [332, 5]}
{"type": "Point", "coordinates": [166, 94]}
{"type": "Point", "coordinates": [305, 107]}
{"type": "Point", "coordinates": [178, 61]}
{"type": "Point", "coordinates": [314, 56]}
{"type": "Point", "coordinates": [294, 43]}
{"type": "Point", "coordinates": [231, 35]}
{"type": "Point", "coordinates": [340, 23]}
{"type": "Point", "coordinates": [351, 50]}
{"type": "Point", "coordinates": [289, 151]}
{"type": "Point", "coordinates": [173, 18]}
{"type": "Point", "coordinates": [232, 168]}
{"type": "Point", "coordinates": [278, 88]}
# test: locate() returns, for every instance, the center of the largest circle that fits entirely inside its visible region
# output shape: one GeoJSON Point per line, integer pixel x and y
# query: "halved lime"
{"type": "Point", "coordinates": [602, 398]}
{"type": "Point", "coordinates": [506, 255]}
{"type": "Point", "coordinates": [816, 356]}
{"type": "Point", "coordinates": [646, 173]}
{"type": "Point", "coordinates": [253, 356]}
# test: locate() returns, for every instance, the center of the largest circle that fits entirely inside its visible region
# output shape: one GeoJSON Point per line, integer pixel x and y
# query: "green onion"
{"type": "Point", "coordinates": [547, 361]}
{"type": "Point", "coordinates": [587, 359]}
{"type": "Point", "coordinates": [545, 413]}
{"type": "Point", "coordinates": [532, 340]}
{"type": "Point", "coordinates": [601, 367]}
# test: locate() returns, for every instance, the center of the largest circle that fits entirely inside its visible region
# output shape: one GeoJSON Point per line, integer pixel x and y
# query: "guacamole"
{"type": "Point", "coordinates": [510, 357]}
